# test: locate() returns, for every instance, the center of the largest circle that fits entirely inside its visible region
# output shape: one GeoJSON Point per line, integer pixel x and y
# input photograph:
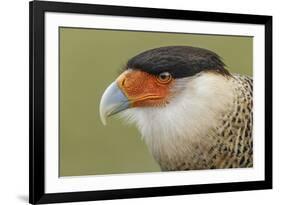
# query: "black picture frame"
{"type": "Point", "coordinates": [37, 194]}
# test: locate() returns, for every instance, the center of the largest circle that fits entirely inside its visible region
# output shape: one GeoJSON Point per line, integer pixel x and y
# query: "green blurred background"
{"type": "Point", "coordinates": [90, 60]}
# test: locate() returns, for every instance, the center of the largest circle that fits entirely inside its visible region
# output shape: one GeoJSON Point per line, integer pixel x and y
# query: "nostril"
{"type": "Point", "coordinates": [123, 82]}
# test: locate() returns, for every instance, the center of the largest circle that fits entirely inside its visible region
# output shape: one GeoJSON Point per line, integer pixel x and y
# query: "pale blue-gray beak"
{"type": "Point", "coordinates": [112, 102]}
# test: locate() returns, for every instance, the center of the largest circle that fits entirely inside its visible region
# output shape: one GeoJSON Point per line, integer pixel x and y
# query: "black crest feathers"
{"type": "Point", "coordinates": [180, 61]}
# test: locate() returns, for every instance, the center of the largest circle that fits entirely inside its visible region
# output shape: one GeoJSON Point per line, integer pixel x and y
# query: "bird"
{"type": "Point", "coordinates": [192, 113]}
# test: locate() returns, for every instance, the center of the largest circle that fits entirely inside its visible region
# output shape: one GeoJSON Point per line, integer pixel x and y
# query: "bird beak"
{"type": "Point", "coordinates": [112, 102]}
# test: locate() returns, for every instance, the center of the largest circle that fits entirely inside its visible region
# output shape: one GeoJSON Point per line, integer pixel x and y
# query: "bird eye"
{"type": "Point", "coordinates": [164, 77]}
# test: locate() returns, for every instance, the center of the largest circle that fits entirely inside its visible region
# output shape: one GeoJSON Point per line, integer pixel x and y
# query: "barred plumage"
{"type": "Point", "coordinates": [230, 143]}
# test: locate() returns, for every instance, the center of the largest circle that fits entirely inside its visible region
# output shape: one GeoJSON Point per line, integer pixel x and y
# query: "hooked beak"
{"type": "Point", "coordinates": [112, 102]}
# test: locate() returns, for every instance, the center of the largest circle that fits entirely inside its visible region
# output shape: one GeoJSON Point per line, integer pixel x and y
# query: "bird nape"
{"type": "Point", "coordinates": [191, 111]}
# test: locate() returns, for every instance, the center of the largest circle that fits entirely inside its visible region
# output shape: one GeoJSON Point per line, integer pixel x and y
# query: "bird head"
{"type": "Point", "coordinates": [158, 77]}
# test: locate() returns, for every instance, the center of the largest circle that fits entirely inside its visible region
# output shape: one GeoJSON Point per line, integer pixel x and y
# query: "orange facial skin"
{"type": "Point", "coordinates": [143, 89]}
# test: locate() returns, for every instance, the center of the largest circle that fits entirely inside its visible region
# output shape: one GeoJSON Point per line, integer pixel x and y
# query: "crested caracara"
{"type": "Point", "coordinates": [191, 111]}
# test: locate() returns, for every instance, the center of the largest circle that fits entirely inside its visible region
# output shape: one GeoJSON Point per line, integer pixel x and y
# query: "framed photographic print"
{"type": "Point", "coordinates": [140, 102]}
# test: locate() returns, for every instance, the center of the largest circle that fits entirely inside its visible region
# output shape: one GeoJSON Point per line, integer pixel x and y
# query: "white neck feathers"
{"type": "Point", "coordinates": [192, 112]}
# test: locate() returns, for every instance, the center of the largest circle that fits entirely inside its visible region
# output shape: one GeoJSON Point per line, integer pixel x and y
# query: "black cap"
{"type": "Point", "coordinates": [180, 61]}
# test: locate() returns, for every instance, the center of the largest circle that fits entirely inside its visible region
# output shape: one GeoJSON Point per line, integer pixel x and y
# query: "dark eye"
{"type": "Point", "coordinates": [164, 77]}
